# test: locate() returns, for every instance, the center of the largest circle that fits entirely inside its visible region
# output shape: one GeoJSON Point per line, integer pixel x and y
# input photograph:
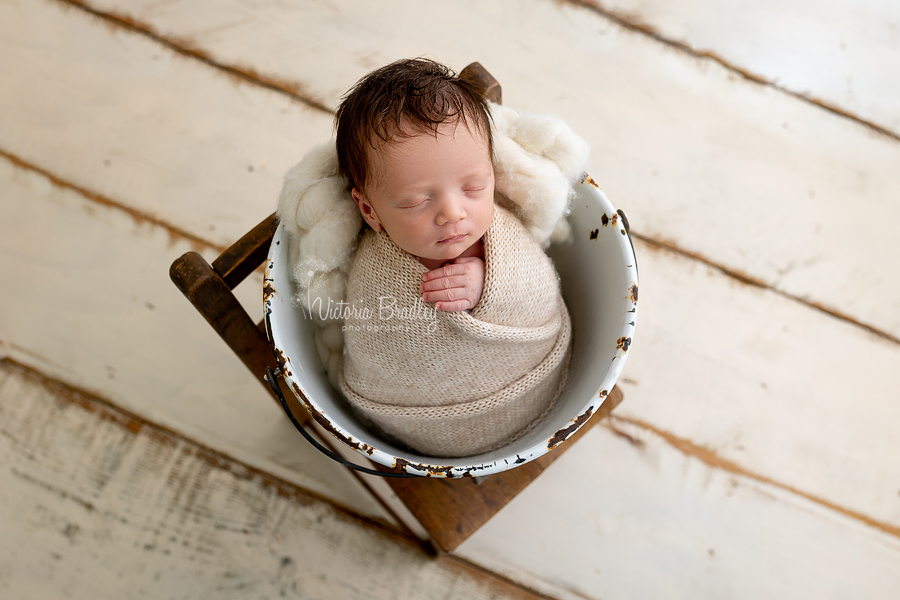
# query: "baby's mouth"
{"type": "Point", "coordinates": [455, 238]}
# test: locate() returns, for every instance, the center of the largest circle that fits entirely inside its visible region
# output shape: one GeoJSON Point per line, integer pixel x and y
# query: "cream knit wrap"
{"type": "Point", "coordinates": [537, 159]}
{"type": "Point", "coordinates": [454, 384]}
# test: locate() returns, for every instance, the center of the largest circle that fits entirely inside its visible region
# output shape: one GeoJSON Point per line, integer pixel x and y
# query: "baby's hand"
{"type": "Point", "coordinates": [455, 286]}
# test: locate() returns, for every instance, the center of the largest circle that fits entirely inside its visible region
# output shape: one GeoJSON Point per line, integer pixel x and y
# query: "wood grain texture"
{"type": "Point", "coordinates": [246, 254]}
{"type": "Point", "coordinates": [161, 133]}
{"type": "Point", "coordinates": [101, 313]}
{"type": "Point", "coordinates": [763, 382]}
{"type": "Point", "coordinates": [121, 149]}
{"type": "Point", "coordinates": [683, 144]}
{"type": "Point", "coordinates": [656, 94]}
{"type": "Point", "coordinates": [98, 505]}
{"type": "Point", "coordinates": [652, 522]}
{"type": "Point", "coordinates": [488, 86]}
{"type": "Point", "coordinates": [208, 292]}
{"type": "Point", "coordinates": [843, 54]}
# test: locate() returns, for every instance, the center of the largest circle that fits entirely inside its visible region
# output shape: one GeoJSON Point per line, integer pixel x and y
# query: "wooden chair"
{"type": "Point", "coordinates": [448, 510]}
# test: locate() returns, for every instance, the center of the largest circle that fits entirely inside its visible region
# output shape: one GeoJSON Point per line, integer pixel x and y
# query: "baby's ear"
{"type": "Point", "coordinates": [368, 213]}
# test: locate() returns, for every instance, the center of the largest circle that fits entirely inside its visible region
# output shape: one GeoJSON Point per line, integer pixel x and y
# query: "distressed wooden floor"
{"type": "Point", "coordinates": [98, 504]}
{"type": "Point", "coordinates": [756, 150]}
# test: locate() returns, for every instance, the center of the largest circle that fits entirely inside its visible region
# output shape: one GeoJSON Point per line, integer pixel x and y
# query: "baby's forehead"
{"type": "Point", "coordinates": [383, 163]}
{"type": "Point", "coordinates": [386, 156]}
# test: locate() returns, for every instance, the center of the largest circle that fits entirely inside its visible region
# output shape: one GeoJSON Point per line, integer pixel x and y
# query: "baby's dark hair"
{"type": "Point", "coordinates": [403, 99]}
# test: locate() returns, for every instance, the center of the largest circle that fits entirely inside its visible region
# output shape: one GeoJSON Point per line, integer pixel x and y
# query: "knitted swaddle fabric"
{"type": "Point", "coordinates": [454, 384]}
{"type": "Point", "coordinates": [537, 159]}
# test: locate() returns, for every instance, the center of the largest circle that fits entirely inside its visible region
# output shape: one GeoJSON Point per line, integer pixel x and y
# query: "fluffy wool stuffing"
{"type": "Point", "coordinates": [537, 159]}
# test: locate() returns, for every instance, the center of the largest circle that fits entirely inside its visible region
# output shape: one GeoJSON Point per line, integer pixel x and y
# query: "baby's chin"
{"type": "Point", "coordinates": [433, 260]}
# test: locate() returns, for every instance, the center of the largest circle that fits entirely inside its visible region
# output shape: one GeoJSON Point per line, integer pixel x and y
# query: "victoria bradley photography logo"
{"type": "Point", "coordinates": [387, 316]}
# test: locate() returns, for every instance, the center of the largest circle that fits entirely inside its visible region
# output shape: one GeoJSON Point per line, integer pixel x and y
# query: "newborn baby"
{"type": "Point", "coordinates": [456, 338]}
{"type": "Point", "coordinates": [417, 254]}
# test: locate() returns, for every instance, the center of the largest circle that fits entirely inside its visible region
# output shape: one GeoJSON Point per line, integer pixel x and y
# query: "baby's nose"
{"type": "Point", "coordinates": [451, 211]}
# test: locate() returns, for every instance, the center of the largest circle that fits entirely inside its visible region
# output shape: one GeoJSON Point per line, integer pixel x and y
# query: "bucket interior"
{"type": "Point", "coordinates": [599, 282]}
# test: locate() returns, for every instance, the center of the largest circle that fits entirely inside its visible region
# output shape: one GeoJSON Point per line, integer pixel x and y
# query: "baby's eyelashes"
{"type": "Point", "coordinates": [412, 203]}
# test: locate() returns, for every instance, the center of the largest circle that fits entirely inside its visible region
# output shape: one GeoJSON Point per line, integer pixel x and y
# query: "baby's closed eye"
{"type": "Point", "coordinates": [413, 203]}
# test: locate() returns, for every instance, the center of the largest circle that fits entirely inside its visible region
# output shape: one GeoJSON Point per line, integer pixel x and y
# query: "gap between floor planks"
{"type": "Point", "coordinates": [627, 22]}
{"type": "Point", "coordinates": [294, 91]}
{"type": "Point", "coordinates": [107, 411]}
{"type": "Point", "coordinates": [682, 445]}
{"type": "Point", "coordinates": [291, 91]}
{"type": "Point", "coordinates": [710, 458]}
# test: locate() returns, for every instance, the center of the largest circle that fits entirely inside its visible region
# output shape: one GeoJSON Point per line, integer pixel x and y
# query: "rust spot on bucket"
{"type": "Point", "coordinates": [268, 290]}
{"type": "Point", "coordinates": [594, 234]}
{"type": "Point", "coordinates": [591, 181]}
{"type": "Point", "coordinates": [623, 343]}
{"type": "Point", "coordinates": [323, 421]}
{"type": "Point", "coordinates": [633, 290]}
{"type": "Point", "coordinates": [561, 435]}
{"type": "Point", "coordinates": [281, 363]}
{"type": "Point", "coordinates": [402, 464]}
{"type": "Point", "coordinates": [604, 220]}
{"type": "Point", "coordinates": [470, 471]}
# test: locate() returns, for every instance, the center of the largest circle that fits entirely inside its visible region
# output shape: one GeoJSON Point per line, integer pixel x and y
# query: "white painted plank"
{"type": "Point", "coordinates": [119, 115]}
{"type": "Point", "coordinates": [87, 298]}
{"type": "Point", "coordinates": [728, 174]}
{"type": "Point", "coordinates": [846, 54]}
{"type": "Point", "coordinates": [170, 136]}
{"type": "Point", "coordinates": [750, 177]}
{"type": "Point", "coordinates": [91, 509]}
{"type": "Point", "coordinates": [650, 522]}
{"type": "Point", "coordinates": [827, 459]}
{"type": "Point", "coordinates": [767, 383]}
{"type": "Point", "coordinates": [728, 111]}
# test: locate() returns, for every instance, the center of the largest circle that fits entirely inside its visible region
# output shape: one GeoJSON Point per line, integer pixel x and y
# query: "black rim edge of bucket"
{"type": "Point", "coordinates": [272, 380]}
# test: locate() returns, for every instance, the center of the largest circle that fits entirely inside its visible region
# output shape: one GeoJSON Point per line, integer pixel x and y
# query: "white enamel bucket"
{"type": "Point", "coordinates": [599, 279]}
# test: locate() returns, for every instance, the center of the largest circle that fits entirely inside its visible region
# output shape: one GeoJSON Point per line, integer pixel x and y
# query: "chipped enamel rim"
{"type": "Point", "coordinates": [602, 300]}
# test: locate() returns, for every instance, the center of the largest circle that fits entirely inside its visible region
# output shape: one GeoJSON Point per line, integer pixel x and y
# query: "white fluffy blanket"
{"type": "Point", "coordinates": [537, 159]}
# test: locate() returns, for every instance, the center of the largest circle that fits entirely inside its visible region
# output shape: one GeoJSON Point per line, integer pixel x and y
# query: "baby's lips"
{"type": "Point", "coordinates": [452, 237]}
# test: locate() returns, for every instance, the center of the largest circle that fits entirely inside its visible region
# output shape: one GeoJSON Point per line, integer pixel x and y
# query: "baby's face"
{"type": "Point", "coordinates": [433, 195]}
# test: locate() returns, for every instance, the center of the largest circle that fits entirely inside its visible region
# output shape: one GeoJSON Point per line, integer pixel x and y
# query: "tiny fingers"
{"type": "Point", "coordinates": [450, 300]}
{"type": "Point", "coordinates": [444, 295]}
{"type": "Point", "coordinates": [454, 286]}
{"type": "Point", "coordinates": [445, 271]}
{"type": "Point", "coordinates": [444, 283]}
{"type": "Point", "coordinates": [454, 306]}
